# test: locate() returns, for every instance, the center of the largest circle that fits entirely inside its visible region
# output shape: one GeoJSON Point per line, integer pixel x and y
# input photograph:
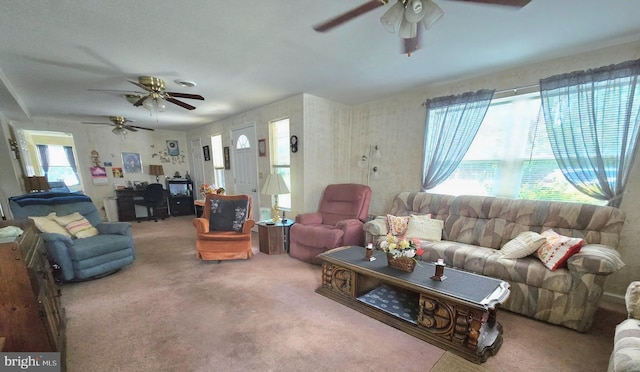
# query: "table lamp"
{"type": "Point", "coordinates": [156, 170]}
{"type": "Point", "coordinates": [275, 185]}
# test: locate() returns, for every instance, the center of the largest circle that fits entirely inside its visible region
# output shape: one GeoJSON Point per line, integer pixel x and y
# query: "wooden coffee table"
{"type": "Point", "coordinates": [456, 314]}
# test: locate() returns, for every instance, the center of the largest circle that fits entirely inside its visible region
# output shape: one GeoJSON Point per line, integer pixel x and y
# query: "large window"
{"type": "Point", "coordinates": [280, 156]}
{"type": "Point", "coordinates": [511, 157]}
{"type": "Point", "coordinates": [218, 160]}
{"type": "Point", "coordinates": [59, 170]}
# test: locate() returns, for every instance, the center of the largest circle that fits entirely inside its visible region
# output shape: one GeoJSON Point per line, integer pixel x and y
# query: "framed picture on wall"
{"type": "Point", "coordinates": [227, 159]}
{"type": "Point", "coordinates": [131, 162]}
{"type": "Point", "coordinates": [262, 147]}
{"type": "Point", "coordinates": [206, 153]}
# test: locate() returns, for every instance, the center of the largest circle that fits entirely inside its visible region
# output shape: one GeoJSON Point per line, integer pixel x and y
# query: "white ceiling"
{"type": "Point", "coordinates": [244, 54]}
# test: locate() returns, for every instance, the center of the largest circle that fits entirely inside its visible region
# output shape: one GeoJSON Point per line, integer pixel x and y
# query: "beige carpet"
{"type": "Point", "coordinates": [451, 362]}
{"type": "Point", "coordinates": [171, 312]}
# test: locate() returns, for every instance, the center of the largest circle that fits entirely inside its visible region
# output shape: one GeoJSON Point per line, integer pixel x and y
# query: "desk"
{"type": "Point", "coordinates": [127, 207]}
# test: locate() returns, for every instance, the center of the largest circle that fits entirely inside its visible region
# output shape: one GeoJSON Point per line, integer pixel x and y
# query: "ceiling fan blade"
{"type": "Point", "coordinates": [90, 122]}
{"type": "Point", "coordinates": [180, 103]}
{"type": "Point", "coordinates": [138, 103]}
{"type": "Point", "coordinates": [130, 127]}
{"type": "Point", "coordinates": [515, 3]}
{"type": "Point", "coordinates": [185, 95]}
{"type": "Point", "coordinates": [366, 7]}
{"type": "Point", "coordinates": [140, 85]}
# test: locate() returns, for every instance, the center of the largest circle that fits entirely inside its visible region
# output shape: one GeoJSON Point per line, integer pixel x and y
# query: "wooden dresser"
{"type": "Point", "coordinates": [31, 317]}
{"type": "Point", "coordinates": [127, 204]}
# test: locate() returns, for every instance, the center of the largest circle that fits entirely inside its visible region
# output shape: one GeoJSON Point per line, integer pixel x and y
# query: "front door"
{"type": "Point", "coordinates": [244, 165]}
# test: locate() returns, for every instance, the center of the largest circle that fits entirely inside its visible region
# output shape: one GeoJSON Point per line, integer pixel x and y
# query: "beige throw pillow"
{"type": "Point", "coordinates": [77, 225]}
{"type": "Point", "coordinates": [46, 224]}
{"type": "Point", "coordinates": [424, 228]}
{"type": "Point", "coordinates": [526, 243]}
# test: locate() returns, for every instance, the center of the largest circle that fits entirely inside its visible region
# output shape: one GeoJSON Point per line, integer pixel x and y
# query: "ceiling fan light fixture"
{"type": "Point", "coordinates": [415, 11]}
{"type": "Point", "coordinates": [391, 19]}
{"type": "Point", "coordinates": [131, 98]}
{"type": "Point", "coordinates": [119, 131]}
{"type": "Point", "coordinates": [185, 83]}
{"type": "Point", "coordinates": [408, 30]}
{"type": "Point", "coordinates": [433, 13]}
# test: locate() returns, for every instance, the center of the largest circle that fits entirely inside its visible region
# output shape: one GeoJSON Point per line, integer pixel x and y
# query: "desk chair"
{"type": "Point", "coordinates": [153, 195]}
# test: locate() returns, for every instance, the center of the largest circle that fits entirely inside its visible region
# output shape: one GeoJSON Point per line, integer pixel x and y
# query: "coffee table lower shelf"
{"type": "Point", "coordinates": [489, 340]}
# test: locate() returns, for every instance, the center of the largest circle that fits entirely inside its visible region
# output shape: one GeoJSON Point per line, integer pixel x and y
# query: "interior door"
{"type": "Point", "coordinates": [244, 163]}
{"type": "Point", "coordinates": [197, 166]}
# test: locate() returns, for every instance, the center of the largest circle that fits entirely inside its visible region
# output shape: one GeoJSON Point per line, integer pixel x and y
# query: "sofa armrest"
{"type": "Point", "coordinates": [247, 226]}
{"type": "Point", "coordinates": [353, 234]}
{"type": "Point", "coordinates": [114, 228]}
{"type": "Point", "coordinates": [309, 218]}
{"type": "Point", "coordinates": [201, 225]}
{"type": "Point", "coordinates": [632, 300]}
{"type": "Point", "coordinates": [375, 228]}
{"type": "Point", "coordinates": [595, 259]}
{"type": "Point", "coordinates": [57, 246]}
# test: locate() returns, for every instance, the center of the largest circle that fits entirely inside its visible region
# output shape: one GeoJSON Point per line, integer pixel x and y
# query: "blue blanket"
{"type": "Point", "coordinates": [49, 198]}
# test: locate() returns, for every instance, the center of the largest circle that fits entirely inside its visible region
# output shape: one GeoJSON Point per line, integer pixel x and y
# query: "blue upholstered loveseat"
{"type": "Point", "coordinates": [85, 258]}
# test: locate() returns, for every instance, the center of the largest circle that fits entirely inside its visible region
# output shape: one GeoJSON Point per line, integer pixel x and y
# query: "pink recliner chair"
{"type": "Point", "coordinates": [338, 222]}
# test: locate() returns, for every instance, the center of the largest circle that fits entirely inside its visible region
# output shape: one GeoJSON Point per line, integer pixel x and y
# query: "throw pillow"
{"type": "Point", "coordinates": [558, 249]}
{"type": "Point", "coordinates": [397, 225]}
{"type": "Point", "coordinates": [77, 225]}
{"type": "Point", "coordinates": [526, 243]}
{"type": "Point", "coordinates": [46, 224]}
{"type": "Point", "coordinates": [424, 228]}
{"type": "Point", "coordinates": [228, 215]}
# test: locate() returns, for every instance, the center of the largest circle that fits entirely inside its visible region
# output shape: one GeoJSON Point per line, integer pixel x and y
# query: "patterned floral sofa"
{"type": "Point", "coordinates": [476, 227]}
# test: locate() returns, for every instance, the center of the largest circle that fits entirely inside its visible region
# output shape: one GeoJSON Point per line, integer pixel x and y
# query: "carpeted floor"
{"type": "Point", "coordinates": [171, 312]}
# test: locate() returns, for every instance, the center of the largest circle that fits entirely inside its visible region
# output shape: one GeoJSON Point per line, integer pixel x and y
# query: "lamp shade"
{"type": "Point", "coordinates": [36, 183]}
{"type": "Point", "coordinates": [156, 170]}
{"type": "Point", "coordinates": [391, 18]}
{"type": "Point", "coordinates": [275, 185]}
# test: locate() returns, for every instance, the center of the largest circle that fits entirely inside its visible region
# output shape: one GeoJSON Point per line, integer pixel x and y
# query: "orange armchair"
{"type": "Point", "coordinates": [224, 230]}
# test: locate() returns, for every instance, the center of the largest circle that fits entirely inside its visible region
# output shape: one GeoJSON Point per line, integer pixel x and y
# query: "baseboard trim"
{"type": "Point", "coordinates": [615, 298]}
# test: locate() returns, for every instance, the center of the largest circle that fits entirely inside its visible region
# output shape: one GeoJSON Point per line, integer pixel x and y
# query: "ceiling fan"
{"type": "Point", "coordinates": [120, 125]}
{"type": "Point", "coordinates": [403, 17]}
{"type": "Point", "coordinates": [153, 96]}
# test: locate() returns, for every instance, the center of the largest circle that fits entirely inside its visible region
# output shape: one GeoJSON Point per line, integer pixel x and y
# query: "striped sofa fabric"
{"type": "Point", "coordinates": [476, 227]}
{"type": "Point", "coordinates": [626, 343]}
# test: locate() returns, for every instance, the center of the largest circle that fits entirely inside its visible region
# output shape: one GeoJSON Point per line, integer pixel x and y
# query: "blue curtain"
{"type": "Point", "coordinates": [43, 150]}
{"type": "Point", "coordinates": [452, 124]}
{"type": "Point", "coordinates": [592, 119]}
{"type": "Point", "coordinates": [68, 151]}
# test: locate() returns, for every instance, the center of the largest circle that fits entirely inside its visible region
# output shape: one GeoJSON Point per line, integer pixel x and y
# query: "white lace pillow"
{"type": "Point", "coordinates": [526, 243]}
{"type": "Point", "coordinates": [424, 228]}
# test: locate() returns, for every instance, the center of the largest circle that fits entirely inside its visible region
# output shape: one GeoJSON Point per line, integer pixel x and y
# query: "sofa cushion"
{"type": "Point", "coordinates": [489, 262]}
{"type": "Point", "coordinates": [558, 249]}
{"type": "Point", "coordinates": [78, 226]}
{"type": "Point", "coordinates": [526, 243]}
{"type": "Point", "coordinates": [424, 228]}
{"type": "Point", "coordinates": [397, 225]}
{"type": "Point", "coordinates": [46, 224]}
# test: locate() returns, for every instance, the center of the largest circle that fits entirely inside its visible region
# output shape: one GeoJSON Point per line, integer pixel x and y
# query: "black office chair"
{"type": "Point", "coordinates": [153, 195]}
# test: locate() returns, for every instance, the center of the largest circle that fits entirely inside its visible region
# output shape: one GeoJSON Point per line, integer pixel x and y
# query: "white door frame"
{"type": "Point", "coordinates": [255, 191]}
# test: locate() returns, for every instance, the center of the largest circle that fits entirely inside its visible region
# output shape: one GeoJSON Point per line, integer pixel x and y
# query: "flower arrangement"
{"type": "Point", "coordinates": [401, 247]}
{"type": "Point", "coordinates": [210, 189]}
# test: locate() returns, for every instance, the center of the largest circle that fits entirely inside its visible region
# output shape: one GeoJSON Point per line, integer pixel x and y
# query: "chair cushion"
{"type": "Point", "coordinates": [227, 215]}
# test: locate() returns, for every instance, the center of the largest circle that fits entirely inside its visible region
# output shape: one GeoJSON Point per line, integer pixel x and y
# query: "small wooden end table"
{"type": "Point", "coordinates": [274, 237]}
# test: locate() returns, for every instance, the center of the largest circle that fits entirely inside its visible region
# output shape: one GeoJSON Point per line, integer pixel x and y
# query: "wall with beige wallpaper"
{"type": "Point", "coordinates": [397, 125]}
